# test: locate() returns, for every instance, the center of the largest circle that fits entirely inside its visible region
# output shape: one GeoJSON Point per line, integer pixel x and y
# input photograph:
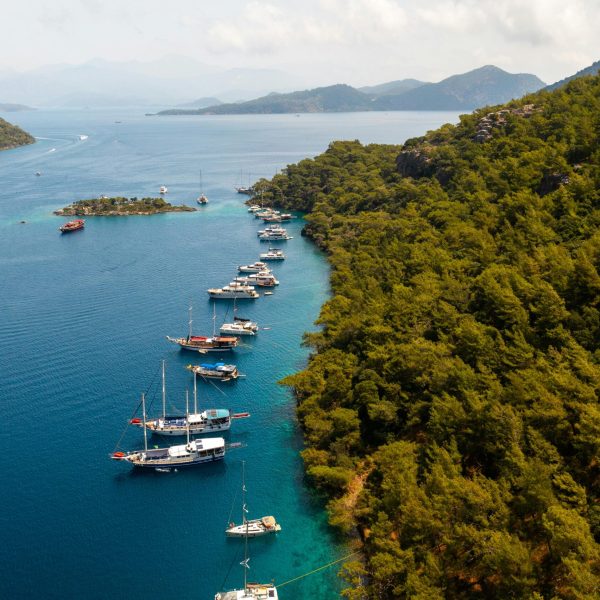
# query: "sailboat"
{"type": "Point", "coordinates": [244, 189]}
{"type": "Point", "coordinates": [250, 591]}
{"type": "Point", "coordinates": [202, 199]}
{"type": "Point", "coordinates": [205, 344]}
{"type": "Point", "coordinates": [207, 421]}
{"type": "Point", "coordinates": [253, 527]}
{"type": "Point", "coordinates": [193, 452]}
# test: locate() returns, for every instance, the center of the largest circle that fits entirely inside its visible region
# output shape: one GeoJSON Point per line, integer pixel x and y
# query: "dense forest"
{"type": "Point", "coordinates": [450, 404]}
{"type": "Point", "coordinates": [12, 136]}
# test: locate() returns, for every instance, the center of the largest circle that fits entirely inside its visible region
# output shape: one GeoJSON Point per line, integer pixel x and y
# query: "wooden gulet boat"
{"type": "Point", "coordinates": [203, 344]}
{"type": "Point", "coordinates": [218, 371]}
{"type": "Point", "coordinates": [192, 453]}
{"type": "Point", "coordinates": [197, 422]}
{"type": "Point", "coordinates": [74, 225]}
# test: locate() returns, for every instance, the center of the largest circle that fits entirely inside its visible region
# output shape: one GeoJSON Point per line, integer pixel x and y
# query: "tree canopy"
{"type": "Point", "coordinates": [12, 136]}
{"type": "Point", "coordinates": [450, 405]}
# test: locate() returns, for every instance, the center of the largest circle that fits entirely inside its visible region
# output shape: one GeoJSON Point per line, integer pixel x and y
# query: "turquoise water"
{"type": "Point", "coordinates": [83, 319]}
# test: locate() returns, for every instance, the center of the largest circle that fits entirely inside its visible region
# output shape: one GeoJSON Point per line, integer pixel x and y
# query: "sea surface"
{"type": "Point", "coordinates": [83, 320]}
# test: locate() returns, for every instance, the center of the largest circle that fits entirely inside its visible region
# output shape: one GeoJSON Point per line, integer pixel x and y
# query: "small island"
{"type": "Point", "coordinates": [120, 206]}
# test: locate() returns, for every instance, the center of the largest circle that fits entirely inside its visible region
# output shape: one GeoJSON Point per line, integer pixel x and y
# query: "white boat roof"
{"type": "Point", "coordinates": [207, 443]}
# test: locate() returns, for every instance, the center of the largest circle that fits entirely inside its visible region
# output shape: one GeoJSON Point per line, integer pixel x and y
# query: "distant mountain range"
{"type": "Point", "coordinates": [593, 69]}
{"type": "Point", "coordinates": [392, 87]}
{"type": "Point", "coordinates": [334, 98]}
{"type": "Point", "coordinates": [485, 86]}
{"type": "Point", "coordinates": [8, 107]}
{"type": "Point", "coordinates": [201, 103]}
{"type": "Point", "coordinates": [169, 81]}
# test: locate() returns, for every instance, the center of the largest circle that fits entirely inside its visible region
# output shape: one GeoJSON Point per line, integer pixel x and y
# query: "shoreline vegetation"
{"type": "Point", "coordinates": [120, 206]}
{"type": "Point", "coordinates": [12, 136]}
{"type": "Point", "coordinates": [450, 405]}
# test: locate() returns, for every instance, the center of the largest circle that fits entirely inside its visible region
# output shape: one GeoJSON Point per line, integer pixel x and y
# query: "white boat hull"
{"type": "Point", "coordinates": [237, 331]}
{"type": "Point", "coordinates": [180, 431]}
{"type": "Point", "coordinates": [231, 296]}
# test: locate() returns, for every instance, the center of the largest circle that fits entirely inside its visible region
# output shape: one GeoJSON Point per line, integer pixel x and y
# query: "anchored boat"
{"type": "Point", "coordinates": [253, 527]}
{"type": "Point", "coordinates": [233, 291]}
{"type": "Point", "coordinates": [219, 371]}
{"type": "Point", "coordinates": [202, 199]}
{"type": "Point", "coordinates": [255, 267]}
{"type": "Point", "coordinates": [207, 421]}
{"type": "Point", "coordinates": [192, 453]}
{"type": "Point", "coordinates": [273, 254]}
{"type": "Point", "coordinates": [250, 591]}
{"type": "Point", "coordinates": [203, 344]}
{"type": "Point", "coordinates": [74, 225]}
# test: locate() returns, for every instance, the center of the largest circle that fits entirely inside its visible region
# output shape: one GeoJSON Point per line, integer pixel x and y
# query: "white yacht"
{"type": "Point", "coordinates": [262, 279]}
{"type": "Point", "coordinates": [272, 229]}
{"type": "Point", "coordinates": [202, 199]}
{"type": "Point", "coordinates": [274, 237]}
{"type": "Point", "coordinates": [163, 189]}
{"type": "Point", "coordinates": [240, 327]}
{"type": "Point", "coordinates": [254, 527]}
{"type": "Point", "coordinates": [254, 208]}
{"type": "Point", "coordinates": [255, 267]}
{"type": "Point", "coordinates": [250, 591]}
{"type": "Point", "coordinates": [273, 254]}
{"type": "Point", "coordinates": [233, 291]}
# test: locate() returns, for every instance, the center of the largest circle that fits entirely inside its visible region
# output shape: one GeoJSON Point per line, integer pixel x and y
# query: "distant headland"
{"type": "Point", "coordinates": [12, 136]}
{"type": "Point", "coordinates": [120, 206]}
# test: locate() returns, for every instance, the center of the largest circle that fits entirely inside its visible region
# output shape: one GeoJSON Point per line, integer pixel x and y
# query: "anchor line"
{"type": "Point", "coordinates": [235, 558]}
{"type": "Point", "coordinates": [134, 413]}
{"type": "Point", "coordinates": [280, 585]}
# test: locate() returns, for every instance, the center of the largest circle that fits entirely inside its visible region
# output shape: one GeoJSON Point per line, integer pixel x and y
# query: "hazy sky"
{"type": "Point", "coordinates": [327, 41]}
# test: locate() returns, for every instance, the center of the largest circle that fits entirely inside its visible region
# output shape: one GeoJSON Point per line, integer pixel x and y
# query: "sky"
{"type": "Point", "coordinates": [359, 42]}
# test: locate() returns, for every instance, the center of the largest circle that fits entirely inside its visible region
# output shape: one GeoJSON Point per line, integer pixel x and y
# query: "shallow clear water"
{"type": "Point", "coordinates": [83, 319]}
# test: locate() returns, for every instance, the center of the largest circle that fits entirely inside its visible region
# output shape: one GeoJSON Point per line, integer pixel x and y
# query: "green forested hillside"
{"type": "Point", "coordinates": [12, 136]}
{"type": "Point", "coordinates": [450, 406]}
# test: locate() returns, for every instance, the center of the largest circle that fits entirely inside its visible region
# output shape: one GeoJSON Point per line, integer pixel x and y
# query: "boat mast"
{"type": "Point", "coordinates": [144, 422]}
{"type": "Point", "coordinates": [244, 511]}
{"type": "Point", "coordinates": [190, 323]}
{"type": "Point", "coordinates": [164, 393]}
{"type": "Point", "coordinates": [214, 319]}
{"type": "Point", "coordinates": [187, 416]}
{"type": "Point", "coordinates": [195, 394]}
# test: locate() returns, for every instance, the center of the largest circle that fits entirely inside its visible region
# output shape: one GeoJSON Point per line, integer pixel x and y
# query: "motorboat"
{"type": "Point", "coordinates": [273, 254]}
{"type": "Point", "coordinates": [255, 267]}
{"type": "Point", "coordinates": [233, 291]}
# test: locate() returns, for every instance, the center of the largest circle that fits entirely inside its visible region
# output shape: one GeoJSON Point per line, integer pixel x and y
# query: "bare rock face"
{"type": "Point", "coordinates": [551, 182]}
{"type": "Point", "coordinates": [496, 119]}
{"type": "Point", "coordinates": [414, 163]}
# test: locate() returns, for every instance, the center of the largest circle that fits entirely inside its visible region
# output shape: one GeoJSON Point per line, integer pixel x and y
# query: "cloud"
{"type": "Point", "coordinates": [535, 22]}
{"type": "Point", "coordinates": [265, 28]}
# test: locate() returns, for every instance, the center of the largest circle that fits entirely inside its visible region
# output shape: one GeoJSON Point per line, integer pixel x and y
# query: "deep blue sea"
{"type": "Point", "coordinates": [83, 320]}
